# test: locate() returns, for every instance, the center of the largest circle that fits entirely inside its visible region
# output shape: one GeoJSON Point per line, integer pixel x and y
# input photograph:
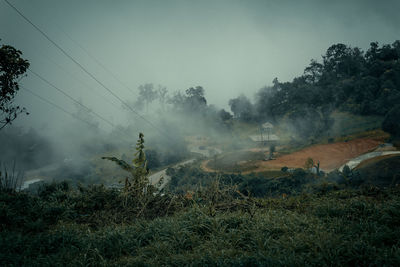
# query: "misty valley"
{"type": "Point", "coordinates": [98, 169]}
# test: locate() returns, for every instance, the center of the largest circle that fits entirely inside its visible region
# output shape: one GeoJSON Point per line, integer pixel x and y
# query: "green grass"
{"type": "Point", "coordinates": [273, 174]}
{"type": "Point", "coordinates": [382, 171]}
{"type": "Point", "coordinates": [347, 124]}
{"type": "Point", "coordinates": [239, 161]}
{"type": "Point", "coordinates": [346, 227]}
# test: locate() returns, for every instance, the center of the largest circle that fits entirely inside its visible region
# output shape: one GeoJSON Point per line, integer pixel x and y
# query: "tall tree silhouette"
{"type": "Point", "coordinates": [12, 69]}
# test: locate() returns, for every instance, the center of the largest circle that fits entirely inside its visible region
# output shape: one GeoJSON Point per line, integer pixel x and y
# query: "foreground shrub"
{"type": "Point", "coordinates": [215, 226]}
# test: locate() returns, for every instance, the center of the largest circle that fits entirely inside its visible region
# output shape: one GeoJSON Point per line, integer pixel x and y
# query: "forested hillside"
{"type": "Point", "coordinates": [347, 79]}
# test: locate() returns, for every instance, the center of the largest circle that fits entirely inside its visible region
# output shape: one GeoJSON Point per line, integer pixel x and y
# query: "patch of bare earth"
{"type": "Point", "coordinates": [330, 156]}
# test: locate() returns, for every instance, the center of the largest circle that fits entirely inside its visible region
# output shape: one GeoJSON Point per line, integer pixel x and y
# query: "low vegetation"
{"type": "Point", "coordinates": [212, 226]}
{"type": "Point", "coordinates": [291, 217]}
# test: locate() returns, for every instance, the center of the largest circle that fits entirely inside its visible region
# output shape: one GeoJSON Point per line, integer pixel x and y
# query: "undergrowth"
{"type": "Point", "coordinates": [228, 220]}
{"type": "Point", "coordinates": [216, 225]}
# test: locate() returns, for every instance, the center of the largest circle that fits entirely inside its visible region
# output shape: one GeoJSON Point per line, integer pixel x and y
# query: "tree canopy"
{"type": "Point", "coordinates": [12, 68]}
{"type": "Point", "coordinates": [348, 79]}
{"type": "Point", "coordinates": [391, 123]}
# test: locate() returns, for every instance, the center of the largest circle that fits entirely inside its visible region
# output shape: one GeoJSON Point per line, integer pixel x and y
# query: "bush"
{"type": "Point", "coordinates": [10, 181]}
{"type": "Point", "coordinates": [391, 122]}
{"type": "Point", "coordinates": [215, 227]}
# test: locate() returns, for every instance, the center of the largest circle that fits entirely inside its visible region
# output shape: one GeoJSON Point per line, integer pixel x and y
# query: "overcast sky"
{"type": "Point", "coordinates": [228, 47]}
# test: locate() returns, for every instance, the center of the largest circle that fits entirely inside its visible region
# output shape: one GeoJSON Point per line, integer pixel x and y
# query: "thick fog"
{"type": "Point", "coordinates": [227, 47]}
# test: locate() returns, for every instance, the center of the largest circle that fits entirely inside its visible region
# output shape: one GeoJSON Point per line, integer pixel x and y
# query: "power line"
{"type": "Point", "coordinates": [82, 82]}
{"type": "Point", "coordinates": [70, 97]}
{"type": "Point", "coordinates": [56, 106]}
{"type": "Point", "coordinates": [98, 62]}
{"type": "Point", "coordinates": [86, 71]}
{"type": "Point", "coordinates": [74, 77]}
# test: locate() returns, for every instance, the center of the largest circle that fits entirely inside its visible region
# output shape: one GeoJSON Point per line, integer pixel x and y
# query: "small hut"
{"type": "Point", "coordinates": [266, 136]}
{"type": "Point", "coordinates": [266, 130]}
{"type": "Point", "coordinates": [267, 125]}
{"type": "Point", "coordinates": [272, 138]}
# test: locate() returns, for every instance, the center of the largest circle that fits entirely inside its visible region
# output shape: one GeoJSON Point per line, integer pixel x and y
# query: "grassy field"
{"type": "Point", "coordinates": [347, 124]}
{"type": "Point", "coordinates": [239, 161]}
{"type": "Point", "coordinates": [345, 228]}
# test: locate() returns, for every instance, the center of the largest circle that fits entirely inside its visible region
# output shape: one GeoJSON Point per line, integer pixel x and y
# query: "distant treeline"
{"type": "Point", "coordinates": [348, 79]}
{"type": "Point", "coordinates": [366, 83]}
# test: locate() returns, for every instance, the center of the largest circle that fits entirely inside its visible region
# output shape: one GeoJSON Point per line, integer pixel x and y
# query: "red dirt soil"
{"type": "Point", "coordinates": [331, 156]}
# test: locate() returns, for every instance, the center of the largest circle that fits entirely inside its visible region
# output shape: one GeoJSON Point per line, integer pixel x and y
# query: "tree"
{"type": "Point", "coordinates": [177, 100]}
{"type": "Point", "coordinates": [312, 74]}
{"type": "Point", "coordinates": [224, 115]}
{"type": "Point", "coordinates": [147, 94]}
{"type": "Point", "coordinates": [12, 69]}
{"type": "Point", "coordinates": [193, 101]}
{"type": "Point", "coordinates": [343, 61]}
{"type": "Point", "coordinates": [242, 108]}
{"type": "Point", "coordinates": [195, 98]}
{"type": "Point", "coordinates": [391, 122]}
{"type": "Point", "coordinates": [162, 96]}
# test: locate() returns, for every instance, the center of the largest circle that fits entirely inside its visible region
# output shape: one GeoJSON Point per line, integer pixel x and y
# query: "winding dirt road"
{"type": "Point", "coordinates": [155, 177]}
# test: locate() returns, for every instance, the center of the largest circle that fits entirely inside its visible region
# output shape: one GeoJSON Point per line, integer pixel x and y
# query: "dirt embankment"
{"type": "Point", "coordinates": [330, 156]}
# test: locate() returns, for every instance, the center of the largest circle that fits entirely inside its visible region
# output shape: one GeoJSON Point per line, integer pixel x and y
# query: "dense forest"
{"type": "Point", "coordinates": [348, 79]}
